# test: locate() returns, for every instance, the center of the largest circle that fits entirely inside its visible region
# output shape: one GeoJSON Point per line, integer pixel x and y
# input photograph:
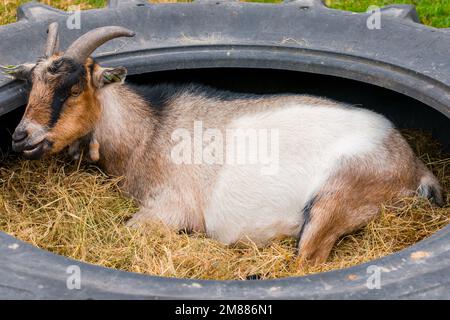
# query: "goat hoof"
{"type": "Point", "coordinates": [132, 224]}
{"type": "Point", "coordinates": [135, 222]}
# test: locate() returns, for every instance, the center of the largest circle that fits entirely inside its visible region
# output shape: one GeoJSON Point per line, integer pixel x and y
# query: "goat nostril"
{"type": "Point", "coordinates": [19, 135]}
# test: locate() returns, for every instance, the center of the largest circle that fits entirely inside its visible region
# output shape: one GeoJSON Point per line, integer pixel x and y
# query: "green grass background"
{"type": "Point", "coordinates": [435, 13]}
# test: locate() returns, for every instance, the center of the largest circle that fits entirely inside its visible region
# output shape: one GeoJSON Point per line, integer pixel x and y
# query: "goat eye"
{"type": "Point", "coordinates": [75, 91]}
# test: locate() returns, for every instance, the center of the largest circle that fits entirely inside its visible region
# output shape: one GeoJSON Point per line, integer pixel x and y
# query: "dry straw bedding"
{"type": "Point", "coordinates": [75, 210]}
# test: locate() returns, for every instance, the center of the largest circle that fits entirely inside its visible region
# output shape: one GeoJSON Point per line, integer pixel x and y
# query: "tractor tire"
{"type": "Point", "coordinates": [304, 35]}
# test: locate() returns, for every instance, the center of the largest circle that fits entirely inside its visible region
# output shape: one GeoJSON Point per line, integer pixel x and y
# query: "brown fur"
{"type": "Point", "coordinates": [79, 116]}
{"type": "Point", "coordinates": [39, 99]}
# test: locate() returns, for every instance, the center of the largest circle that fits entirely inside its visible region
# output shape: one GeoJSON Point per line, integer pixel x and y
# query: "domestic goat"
{"type": "Point", "coordinates": [331, 165]}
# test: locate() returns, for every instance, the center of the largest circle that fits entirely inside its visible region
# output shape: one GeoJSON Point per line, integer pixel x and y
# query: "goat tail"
{"type": "Point", "coordinates": [429, 187]}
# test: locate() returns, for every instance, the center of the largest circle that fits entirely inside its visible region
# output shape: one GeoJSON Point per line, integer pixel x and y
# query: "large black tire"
{"type": "Point", "coordinates": [403, 56]}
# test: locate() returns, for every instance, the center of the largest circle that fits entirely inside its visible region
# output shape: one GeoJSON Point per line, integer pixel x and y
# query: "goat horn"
{"type": "Point", "coordinates": [52, 39]}
{"type": "Point", "coordinates": [83, 47]}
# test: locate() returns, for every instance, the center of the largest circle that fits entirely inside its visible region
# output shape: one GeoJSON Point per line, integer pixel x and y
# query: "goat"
{"type": "Point", "coordinates": [337, 163]}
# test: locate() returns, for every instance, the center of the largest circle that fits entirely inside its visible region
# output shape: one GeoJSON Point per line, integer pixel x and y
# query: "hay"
{"type": "Point", "coordinates": [74, 209]}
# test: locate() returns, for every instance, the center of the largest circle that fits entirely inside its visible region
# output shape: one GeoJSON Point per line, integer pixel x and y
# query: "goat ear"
{"type": "Point", "coordinates": [20, 72]}
{"type": "Point", "coordinates": [105, 76]}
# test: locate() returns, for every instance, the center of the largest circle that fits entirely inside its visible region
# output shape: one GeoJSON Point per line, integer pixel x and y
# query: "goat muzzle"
{"type": "Point", "coordinates": [33, 144]}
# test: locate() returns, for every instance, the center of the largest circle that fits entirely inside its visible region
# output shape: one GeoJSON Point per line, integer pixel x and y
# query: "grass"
{"type": "Point", "coordinates": [75, 210]}
{"type": "Point", "coordinates": [435, 13]}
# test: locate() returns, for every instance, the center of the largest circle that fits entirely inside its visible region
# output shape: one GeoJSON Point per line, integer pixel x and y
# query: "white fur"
{"type": "Point", "coordinates": [112, 112]}
{"type": "Point", "coordinates": [312, 140]}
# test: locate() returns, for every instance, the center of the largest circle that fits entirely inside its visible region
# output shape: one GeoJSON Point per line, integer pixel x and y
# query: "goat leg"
{"type": "Point", "coordinates": [94, 153]}
{"type": "Point", "coordinates": [87, 143]}
{"type": "Point", "coordinates": [75, 150]}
